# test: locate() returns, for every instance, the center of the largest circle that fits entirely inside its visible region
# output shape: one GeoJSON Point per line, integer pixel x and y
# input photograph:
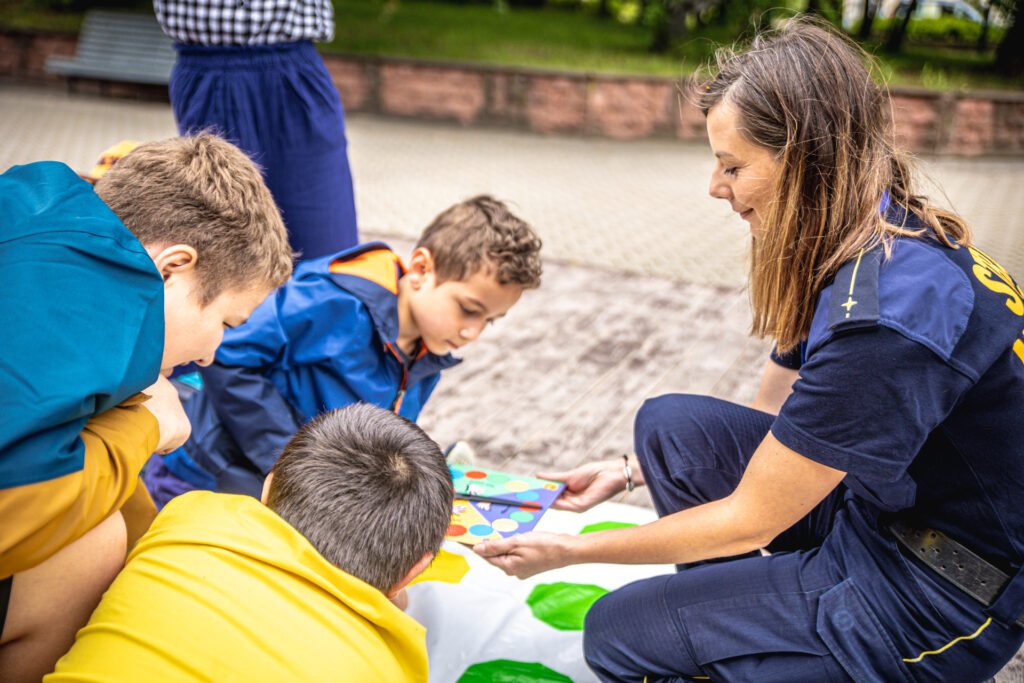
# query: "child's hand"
{"type": "Point", "coordinates": [590, 484]}
{"type": "Point", "coordinates": [170, 415]}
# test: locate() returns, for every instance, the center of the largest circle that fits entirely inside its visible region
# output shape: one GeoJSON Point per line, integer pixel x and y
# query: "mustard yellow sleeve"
{"type": "Point", "coordinates": [41, 518]}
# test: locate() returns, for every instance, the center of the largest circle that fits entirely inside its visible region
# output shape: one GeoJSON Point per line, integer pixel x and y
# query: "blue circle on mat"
{"type": "Point", "coordinates": [480, 529]}
{"type": "Point", "coordinates": [528, 495]}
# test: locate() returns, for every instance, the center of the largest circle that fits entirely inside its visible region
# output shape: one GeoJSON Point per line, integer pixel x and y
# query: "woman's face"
{"type": "Point", "coordinates": [744, 173]}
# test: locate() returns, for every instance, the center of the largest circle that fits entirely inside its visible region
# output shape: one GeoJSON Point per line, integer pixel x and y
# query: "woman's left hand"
{"type": "Point", "coordinates": [527, 554]}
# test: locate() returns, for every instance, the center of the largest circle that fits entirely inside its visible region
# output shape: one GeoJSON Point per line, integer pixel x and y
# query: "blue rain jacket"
{"type": "Point", "coordinates": [324, 340]}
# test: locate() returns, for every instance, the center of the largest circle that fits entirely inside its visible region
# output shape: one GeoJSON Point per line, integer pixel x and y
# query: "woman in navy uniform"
{"type": "Point", "coordinates": [882, 464]}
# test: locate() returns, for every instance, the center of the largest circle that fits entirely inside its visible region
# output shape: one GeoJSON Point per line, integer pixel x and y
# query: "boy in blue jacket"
{"type": "Point", "coordinates": [354, 326]}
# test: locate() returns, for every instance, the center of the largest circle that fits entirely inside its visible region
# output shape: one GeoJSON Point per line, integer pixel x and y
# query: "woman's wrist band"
{"type": "Point", "coordinates": [628, 471]}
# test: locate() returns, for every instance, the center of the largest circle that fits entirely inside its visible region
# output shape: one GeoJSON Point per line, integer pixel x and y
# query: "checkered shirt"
{"type": "Point", "coordinates": [245, 22]}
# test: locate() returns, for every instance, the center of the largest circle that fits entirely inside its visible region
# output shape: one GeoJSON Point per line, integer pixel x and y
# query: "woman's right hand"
{"type": "Point", "coordinates": [170, 415]}
{"type": "Point", "coordinates": [593, 483]}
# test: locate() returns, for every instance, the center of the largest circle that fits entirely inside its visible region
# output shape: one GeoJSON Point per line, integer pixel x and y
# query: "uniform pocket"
{"type": "Point", "coordinates": [750, 625]}
{"type": "Point", "coordinates": [855, 636]}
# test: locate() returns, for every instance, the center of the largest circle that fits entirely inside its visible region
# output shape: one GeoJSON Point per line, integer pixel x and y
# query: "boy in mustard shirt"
{"type": "Point", "coordinates": [104, 291]}
{"type": "Point", "coordinates": [223, 587]}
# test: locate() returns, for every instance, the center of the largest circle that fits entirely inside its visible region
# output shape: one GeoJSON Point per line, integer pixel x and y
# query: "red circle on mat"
{"type": "Point", "coordinates": [455, 530]}
{"type": "Point", "coordinates": [476, 474]}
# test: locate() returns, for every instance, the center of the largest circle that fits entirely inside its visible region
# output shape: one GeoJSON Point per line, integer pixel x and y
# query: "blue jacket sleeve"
{"type": "Point", "coordinates": [252, 411]}
{"type": "Point", "coordinates": [248, 406]}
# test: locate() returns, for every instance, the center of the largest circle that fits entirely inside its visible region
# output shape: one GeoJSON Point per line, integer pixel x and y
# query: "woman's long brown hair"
{"type": "Point", "coordinates": [804, 93]}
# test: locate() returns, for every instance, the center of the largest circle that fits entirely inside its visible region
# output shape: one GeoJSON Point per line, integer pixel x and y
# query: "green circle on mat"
{"type": "Point", "coordinates": [509, 671]}
{"type": "Point", "coordinates": [521, 516]}
{"type": "Point", "coordinates": [563, 605]}
{"type": "Point", "coordinates": [601, 526]}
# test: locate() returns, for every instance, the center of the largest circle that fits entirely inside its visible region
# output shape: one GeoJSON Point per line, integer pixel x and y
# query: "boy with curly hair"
{"type": "Point", "coordinates": [355, 326]}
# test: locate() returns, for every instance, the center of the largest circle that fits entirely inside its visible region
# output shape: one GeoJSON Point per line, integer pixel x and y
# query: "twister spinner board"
{"type": "Point", "coordinates": [473, 522]}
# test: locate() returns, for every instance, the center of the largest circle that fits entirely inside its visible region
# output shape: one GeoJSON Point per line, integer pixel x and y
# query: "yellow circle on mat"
{"type": "Point", "coordinates": [505, 525]}
{"type": "Point", "coordinates": [516, 485]}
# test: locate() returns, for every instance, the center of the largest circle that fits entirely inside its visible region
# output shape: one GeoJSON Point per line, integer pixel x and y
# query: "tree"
{"type": "Point", "coordinates": [867, 19]}
{"type": "Point", "coordinates": [899, 29]}
{"type": "Point", "coordinates": [1010, 53]}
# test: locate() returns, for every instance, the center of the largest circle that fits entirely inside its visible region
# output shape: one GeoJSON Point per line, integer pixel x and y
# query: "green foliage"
{"type": "Point", "coordinates": [942, 30]}
{"type": "Point", "coordinates": [542, 38]}
{"type": "Point", "coordinates": [59, 15]}
{"type": "Point", "coordinates": [568, 36]}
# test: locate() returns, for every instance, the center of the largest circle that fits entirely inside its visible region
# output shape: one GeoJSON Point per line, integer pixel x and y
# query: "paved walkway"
{"type": "Point", "coordinates": [643, 284]}
{"type": "Point", "coordinates": [643, 287]}
{"type": "Point", "coordinates": [643, 279]}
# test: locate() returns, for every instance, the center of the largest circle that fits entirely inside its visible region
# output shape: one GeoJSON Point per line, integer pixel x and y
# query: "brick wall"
{"type": "Point", "coordinates": [967, 124]}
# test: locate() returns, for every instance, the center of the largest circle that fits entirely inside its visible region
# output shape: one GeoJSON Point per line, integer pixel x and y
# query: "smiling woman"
{"type": "Point", "coordinates": [888, 412]}
{"type": "Point", "coordinates": [745, 173]}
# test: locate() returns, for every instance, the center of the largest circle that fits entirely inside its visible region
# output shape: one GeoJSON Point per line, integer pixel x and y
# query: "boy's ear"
{"type": "Point", "coordinates": [417, 569]}
{"type": "Point", "coordinates": [266, 488]}
{"type": "Point", "coordinates": [175, 259]}
{"type": "Point", "coordinates": [421, 264]}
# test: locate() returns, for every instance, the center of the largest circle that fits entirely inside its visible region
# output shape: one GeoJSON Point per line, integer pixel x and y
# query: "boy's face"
{"type": "Point", "coordinates": [193, 332]}
{"type": "Point", "coordinates": [450, 315]}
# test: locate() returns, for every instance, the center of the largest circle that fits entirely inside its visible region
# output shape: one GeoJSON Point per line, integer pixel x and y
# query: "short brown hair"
{"type": "Point", "coordinates": [368, 489]}
{"type": "Point", "coordinates": [482, 232]}
{"type": "Point", "coordinates": [805, 93]}
{"type": "Point", "coordinates": [205, 192]}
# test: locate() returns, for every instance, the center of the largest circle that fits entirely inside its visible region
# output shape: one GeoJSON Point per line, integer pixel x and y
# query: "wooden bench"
{"type": "Point", "coordinates": [118, 46]}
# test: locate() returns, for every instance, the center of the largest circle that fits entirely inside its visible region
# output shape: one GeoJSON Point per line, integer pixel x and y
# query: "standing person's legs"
{"type": "Point", "coordinates": [279, 104]}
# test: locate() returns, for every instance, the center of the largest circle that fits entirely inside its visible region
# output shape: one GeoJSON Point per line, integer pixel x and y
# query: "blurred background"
{"type": "Point", "coordinates": [943, 44]}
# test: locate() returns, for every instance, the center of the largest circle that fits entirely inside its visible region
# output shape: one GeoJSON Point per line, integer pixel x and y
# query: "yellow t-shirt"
{"type": "Point", "coordinates": [222, 589]}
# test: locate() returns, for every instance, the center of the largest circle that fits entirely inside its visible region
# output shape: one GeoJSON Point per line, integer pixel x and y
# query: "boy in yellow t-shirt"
{"type": "Point", "coordinates": [301, 589]}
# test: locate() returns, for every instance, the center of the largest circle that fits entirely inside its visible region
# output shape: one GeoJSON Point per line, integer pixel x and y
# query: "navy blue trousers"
{"type": "Point", "coordinates": [835, 601]}
{"type": "Point", "coordinates": [279, 104]}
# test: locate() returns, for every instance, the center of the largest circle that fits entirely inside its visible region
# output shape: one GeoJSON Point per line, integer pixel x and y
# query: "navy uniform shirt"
{"type": "Point", "coordinates": [912, 382]}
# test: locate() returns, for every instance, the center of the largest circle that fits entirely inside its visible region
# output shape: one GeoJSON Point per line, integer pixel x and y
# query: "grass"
{"type": "Point", "coordinates": [549, 38]}
{"type": "Point", "coordinates": [555, 37]}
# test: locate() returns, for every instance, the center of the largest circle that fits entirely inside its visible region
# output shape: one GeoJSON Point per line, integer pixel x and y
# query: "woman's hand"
{"type": "Point", "coordinates": [527, 554]}
{"type": "Point", "coordinates": [170, 415]}
{"type": "Point", "coordinates": [593, 483]}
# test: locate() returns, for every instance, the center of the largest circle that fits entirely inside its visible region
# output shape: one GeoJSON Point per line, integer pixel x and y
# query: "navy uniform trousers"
{"type": "Point", "coordinates": [279, 104]}
{"type": "Point", "coordinates": [835, 601]}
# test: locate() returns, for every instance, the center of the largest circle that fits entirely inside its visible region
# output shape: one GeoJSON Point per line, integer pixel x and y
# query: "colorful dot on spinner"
{"type": "Point", "coordinates": [455, 530]}
{"type": "Point", "coordinates": [505, 525]}
{"type": "Point", "coordinates": [476, 474]}
{"type": "Point", "coordinates": [528, 495]}
{"type": "Point", "coordinates": [481, 530]}
{"type": "Point", "coordinates": [521, 516]}
{"type": "Point", "coordinates": [516, 485]}
{"type": "Point", "coordinates": [551, 487]}
{"type": "Point", "coordinates": [497, 478]}
{"type": "Point", "coordinates": [456, 474]}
